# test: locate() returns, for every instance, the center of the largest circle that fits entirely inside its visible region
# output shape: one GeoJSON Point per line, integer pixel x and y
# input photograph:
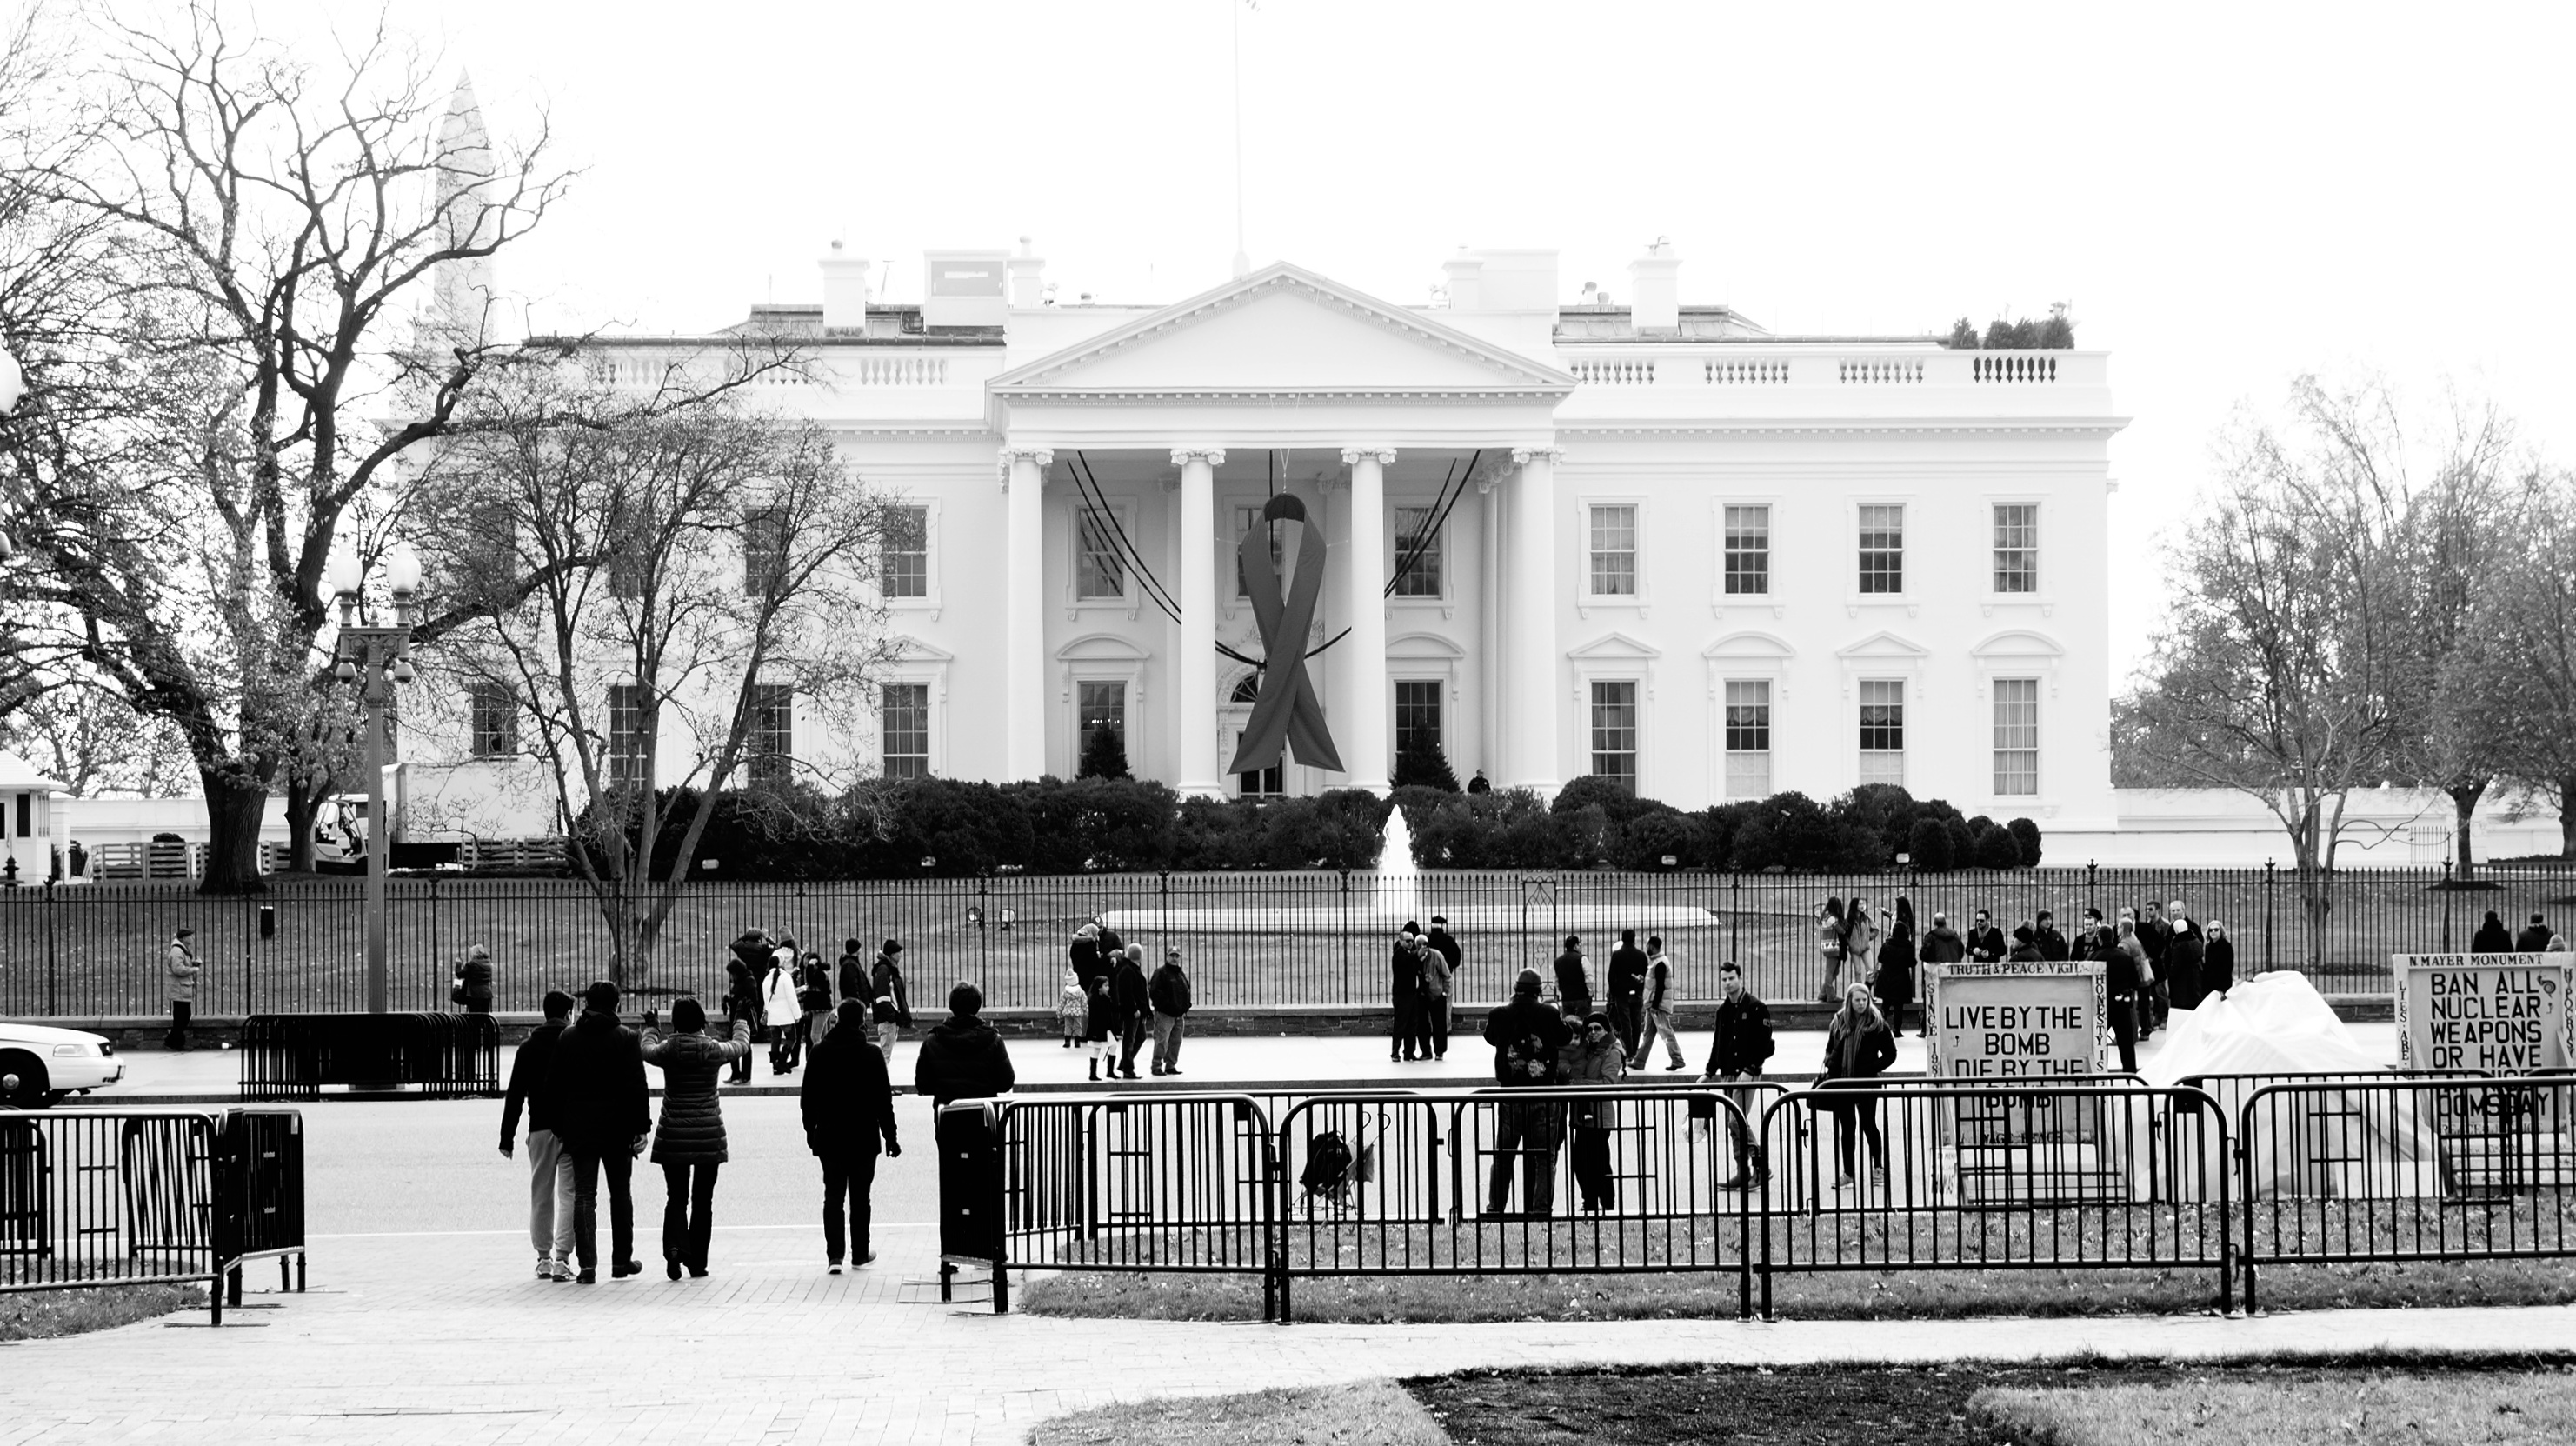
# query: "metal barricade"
{"type": "Point", "coordinates": [2394, 1169]}
{"type": "Point", "coordinates": [292, 1056]}
{"type": "Point", "coordinates": [260, 1212]}
{"type": "Point", "coordinates": [2024, 1175]}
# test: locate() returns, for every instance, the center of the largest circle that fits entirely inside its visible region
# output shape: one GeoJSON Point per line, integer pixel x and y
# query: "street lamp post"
{"type": "Point", "coordinates": [376, 656]}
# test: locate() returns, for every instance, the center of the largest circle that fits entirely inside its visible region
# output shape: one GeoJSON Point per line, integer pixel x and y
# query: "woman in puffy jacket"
{"type": "Point", "coordinates": [1594, 1056]}
{"type": "Point", "coordinates": [689, 1144]}
{"type": "Point", "coordinates": [1858, 1049]}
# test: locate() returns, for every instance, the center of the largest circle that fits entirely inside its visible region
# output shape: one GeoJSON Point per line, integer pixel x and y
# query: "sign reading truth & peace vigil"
{"type": "Point", "coordinates": [2501, 1013]}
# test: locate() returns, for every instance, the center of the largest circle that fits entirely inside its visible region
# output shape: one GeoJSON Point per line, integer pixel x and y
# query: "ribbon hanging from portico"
{"type": "Point", "coordinates": [1285, 712]}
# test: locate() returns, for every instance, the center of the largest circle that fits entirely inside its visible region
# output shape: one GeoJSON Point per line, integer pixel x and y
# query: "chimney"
{"type": "Point", "coordinates": [1654, 289]}
{"type": "Point", "coordinates": [1028, 277]}
{"type": "Point", "coordinates": [845, 293]}
{"type": "Point", "coordinates": [1466, 281]}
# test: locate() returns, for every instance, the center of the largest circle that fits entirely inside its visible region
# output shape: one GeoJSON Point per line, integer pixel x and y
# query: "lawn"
{"type": "Point", "coordinates": [1369, 1413]}
{"type": "Point", "coordinates": [97, 949]}
{"type": "Point", "coordinates": [2362, 1408]}
{"type": "Point", "coordinates": [41, 1314]}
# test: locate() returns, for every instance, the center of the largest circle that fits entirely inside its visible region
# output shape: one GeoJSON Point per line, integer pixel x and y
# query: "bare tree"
{"type": "Point", "coordinates": [2508, 690]}
{"type": "Point", "coordinates": [639, 594]}
{"type": "Point", "coordinates": [96, 743]}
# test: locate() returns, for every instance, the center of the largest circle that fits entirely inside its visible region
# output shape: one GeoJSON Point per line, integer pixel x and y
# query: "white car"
{"type": "Point", "coordinates": [50, 1063]}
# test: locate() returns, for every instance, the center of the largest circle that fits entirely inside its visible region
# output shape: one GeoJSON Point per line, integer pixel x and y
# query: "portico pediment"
{"type": "Point", "coordinates": [1883, 647]}
{"type": "Point", "coordinates": [1284, 331]}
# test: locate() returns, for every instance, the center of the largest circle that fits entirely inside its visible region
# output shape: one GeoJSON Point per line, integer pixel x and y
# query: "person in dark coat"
{"type": "Point", "coordinates": [1133, 1001]}
{"type": "Point", "coordinates": [2534, 938]}
{"type": "Point", "coordinates": [850, 973]}
{"type": "Point", "coordinates": [1084, 955]}
{"type": "Point", "coordinates": [848, 1107]}
{"type": "Point", "coordinates": [1896, 958]}
{"type": "Point", "coordinates": [1739, 1045]}
{"type": "Point", "coordinates": [1404, 993]}
{"type": "Point", "coordinates": [2089, 938]}
{"type": "Point", "coordinates": [1573, 979]}
{"type": "Point", "coordinates": [1942, 944]}
{"type": "Point", "coordinates": [962, 1058]}
{"type": "Point", "coordinates": [1526, 1035]}
{"type": "Point", "coordinates": [2217, 961]}
{"type": "Point", "coordinates": [1168, 992]}
{"type": "Point", "coordinates": [2184, 946]}
{"type": "Point", "coordinates": [1858, 1049]}
{"type": "Point", "coordinates": [1986, 943]}
{"type": "Point", "coordinates": [1441, 939]}
{"type": "Point", "coordinates": [602, 1113]}
{"type": "Point", "coordinates": [1100, 1028]}
{"type": "Point", "coordinates": [474, 981]}
{"type": "Point", "coordinates": [2052, 944]}
{"type": "Point", "coordinates": [891, 1003]}
{"type": "Point", "coordinates": [690, 1145]}
{"type": "Point", "coordinates": [744, 995]}
{"type": "Point", "coordinates": [1593, 1056]}
{"type": "Point", "coordinates": [1627, 983]}
{"type": "Point", "coordinates": [549, 1168]}
{"type": "Point", "coordinates": [2025, 945]}
{"type": "Point", "coordinates": [2155, 1000]}
{"type": "Point", "coordinates": [2493, 937]}
{"type": "Point", "coordinates": [2120, 955]}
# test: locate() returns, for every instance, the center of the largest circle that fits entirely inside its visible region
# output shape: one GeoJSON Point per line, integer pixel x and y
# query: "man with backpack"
{"type": "Point", "coordinates": [1526, 1035]}
{"type": "Point", "coordinates": [1736, 1054]}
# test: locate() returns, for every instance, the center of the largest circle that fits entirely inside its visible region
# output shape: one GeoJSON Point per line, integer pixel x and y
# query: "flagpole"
{"type": "Point", "coordinates": [1242, 258]}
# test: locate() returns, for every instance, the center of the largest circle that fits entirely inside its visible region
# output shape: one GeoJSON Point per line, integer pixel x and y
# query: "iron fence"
{"type": "Point", "coordinates": [131, 1197]}
{"type": "Point", "coordinates": [1257, 939]}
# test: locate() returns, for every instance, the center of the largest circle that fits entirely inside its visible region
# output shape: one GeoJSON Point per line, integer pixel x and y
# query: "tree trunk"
{"type": "Point", "coordinates": [303, 810]}
{"type": "Point", "coordinates": [2464, 806]}
{"type": "Point", "coordinates": [2567, 817]}
{"type": "Point", "coordinates": [236, 802]}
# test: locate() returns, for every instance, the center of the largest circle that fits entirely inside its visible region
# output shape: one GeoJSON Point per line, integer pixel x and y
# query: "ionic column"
{"type": "Point", "coordinates": [1195, 679]}
{"type": "Point", "coordinates": [1363, 738]}
{"type": "Point", "coordinates": [1530, 634]}
{"type": "Point", "coordinates": [1024, 612]}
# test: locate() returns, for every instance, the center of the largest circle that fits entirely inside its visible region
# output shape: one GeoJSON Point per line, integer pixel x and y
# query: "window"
{"type": "Point", "coordinates": [1103, 707]}
{"type": "Point", "coordinates": [1882, 548]}
{"type": "Point", "coordinates": [1417, 540]}
{"type": "Point", "coordinates": [494, 723]}
{"type": "Point", "coordinates": [1614, 551]}
{"type": "Point", "coordinates": [1748, 550]}
{"type": "Point", "coordinates": [1882, 730]}
{"type": "Point", "coordinates": [904, 723]}
{"type": "Point", "coordinates": [1098, 570]}
{"type": "Point", "coordinates": [907, 552]}
{"type": "Point", "coordinates": [2016, 547]}
{"type": "Point", "coordinates": [1748, 738]}
{"type": "Point", "coordinates": [1271, 782]}
{"type": "Point", "coordinates": [764, 550]}
{"type": "Point", "coordinates": [626, 737]}
{"type": "Point", "coordinates": [2016, 737]}
{"type": "Point", "coordinates": [1614, 730]}
{"type": "Point", "coordinates": [772, 740]}
{"type": "Point", "coordinates": [1417, 716]}
{"type": "Point", "coordinates": [1246, 519]}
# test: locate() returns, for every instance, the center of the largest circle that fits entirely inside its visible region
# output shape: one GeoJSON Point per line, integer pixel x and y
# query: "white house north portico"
{"type": "Point", "coordinates": [1642, 539]}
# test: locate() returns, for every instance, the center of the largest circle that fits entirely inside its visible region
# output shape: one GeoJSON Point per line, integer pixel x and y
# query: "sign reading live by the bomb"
{"type": "Point", "coordinates": [2039, 1020]}
{"type": "Point", "coordinates": [2500, 1013]}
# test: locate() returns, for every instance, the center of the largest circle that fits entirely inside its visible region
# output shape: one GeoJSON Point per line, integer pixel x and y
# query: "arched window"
{"type": "Point", "coordinates": [1247, 690]}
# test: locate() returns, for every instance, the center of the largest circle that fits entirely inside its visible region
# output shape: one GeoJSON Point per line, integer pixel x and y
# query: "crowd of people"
{"type": "Point", "coordinates": [580, 1081]}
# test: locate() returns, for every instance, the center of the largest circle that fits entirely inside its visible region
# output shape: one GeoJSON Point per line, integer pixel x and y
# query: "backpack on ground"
{"type": "Point", "coordinates": [1328, 1168]}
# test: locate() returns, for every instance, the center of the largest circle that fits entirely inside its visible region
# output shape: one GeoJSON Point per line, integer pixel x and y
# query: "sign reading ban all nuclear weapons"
{"type": "Point", "coordinates": [2501, 1013]}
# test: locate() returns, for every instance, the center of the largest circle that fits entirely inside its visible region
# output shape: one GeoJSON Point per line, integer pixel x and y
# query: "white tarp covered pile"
{"type": "Point", "coordinates": [2329, 1143]}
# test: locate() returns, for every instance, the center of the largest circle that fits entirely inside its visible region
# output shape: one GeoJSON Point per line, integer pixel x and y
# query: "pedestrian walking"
{"type": "Point", "coordinates": [1660, 997]}
{"type": "Point", "coordinates": [1829, 947]}
{"type": "Point", "coordinates": [549, 1167]}
{"type": "Point", "coordinates": [179, 964]}
{"type": "Point", "coordinates": [847, 1102]}
{"type": "Point", "coordinates": [813, 1009]}
{"type": "Point", "coordinates": [689, 1145]}
{"type": "Point", "coordinates": [1168, 992]}
{"type": "Point", "coordinates": [1594, 1057]}
{"type": "Point", "coordinates": [782, 1011]}
{"type": "Point", "coordinates": [1432, 1039]}
{"type": "Point", "coordinates": [1100, 1028]}
{"type": "Point", "coordinates": [1628, 992]}
{"type": "Point", "coordinates": [602, 1114]}
{"type": "Point", "coordinates": [2217, 962]}
{"type": "Point", "coordinates": [850, 974]}
{"type": "Point", "coordinates": [1404, 992]}
{"type": "Point", "coordinates": [1858, 1049]}
{"type": "Point", "coordinates": [754, 955]}
{"type": "Point", "coordinates": [1573, 979]}
{"type": "Point", "coordinates": [1526, 1035]}
{"type": "Point", "coordinates": [2534, 938]}
{"type": "Point", "coordinates": [2122, 958]}
{"type": "Point", "coordinates": [2492, 937]}
{"type": "Point", "coordinates": [473, 985]}
{"type": "Point", "coordinates": [1133, 999]}
{"type": "Point", "coordinates": [962, 1058]}
{"type": "Point", "coordinates": [1072, 1008]}
{"type": "Point", "coordinates": [891, 1002]}
{"type": "Point", "coordinates": [1737, 1049]}
{"type": "Point", "coordinates": [1896, 959]}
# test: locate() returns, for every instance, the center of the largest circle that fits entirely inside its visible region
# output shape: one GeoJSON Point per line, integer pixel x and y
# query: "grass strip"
{"type": "Point", "coordinates": [37, 1315]}
{"type": "Point", "coordinates": [2216, 1409]}
{"type": "Point", "coordinates": [1380, 1413]}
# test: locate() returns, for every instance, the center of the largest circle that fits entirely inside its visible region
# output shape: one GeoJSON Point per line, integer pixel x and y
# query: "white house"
{"type": "Point", "coordinates": [1637, 538]}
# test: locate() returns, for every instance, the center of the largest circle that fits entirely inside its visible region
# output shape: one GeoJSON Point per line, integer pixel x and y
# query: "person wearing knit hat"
{"type": "Point", "coordinates": [2025, 948]}
{"type": "Point", "coordinates": [1595, 1056]}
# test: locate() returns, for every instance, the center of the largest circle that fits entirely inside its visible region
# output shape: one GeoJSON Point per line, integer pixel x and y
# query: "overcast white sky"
{"type": "Point", "coordinates": [2227, 194]}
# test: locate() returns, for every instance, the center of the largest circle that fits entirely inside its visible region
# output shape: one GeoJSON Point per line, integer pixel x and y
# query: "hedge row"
{"type": "Point", "coordinates": [944, 827]}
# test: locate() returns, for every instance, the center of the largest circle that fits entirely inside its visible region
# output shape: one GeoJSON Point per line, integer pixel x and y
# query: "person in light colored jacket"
{"type": "Point", "coordinates": [183, 969]}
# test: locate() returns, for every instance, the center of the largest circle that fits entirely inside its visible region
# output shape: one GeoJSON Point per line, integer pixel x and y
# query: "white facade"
{"type": "Point", "coordinates": [1582, 617]}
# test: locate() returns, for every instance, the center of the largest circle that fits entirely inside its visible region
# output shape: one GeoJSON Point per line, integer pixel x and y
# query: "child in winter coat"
{"type": "Point", "coordinates": [1100, 1021]}
{"type": "Point", "coordinates": [1072, 1009]}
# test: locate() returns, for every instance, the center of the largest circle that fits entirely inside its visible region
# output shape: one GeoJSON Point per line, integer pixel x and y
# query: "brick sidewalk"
{"type": "Point", "coordinates": [446, 1339]}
